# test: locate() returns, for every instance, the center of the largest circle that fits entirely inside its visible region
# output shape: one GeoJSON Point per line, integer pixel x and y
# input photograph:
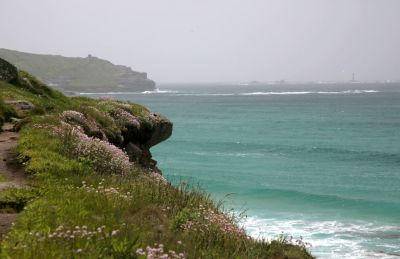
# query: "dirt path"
{"type": "Point", "coordinates": [12, 174]}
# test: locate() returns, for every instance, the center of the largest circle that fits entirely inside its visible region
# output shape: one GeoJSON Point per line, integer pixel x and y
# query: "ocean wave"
{"type": "Point", "coordinates": [227, 154]}
{"type": "Point", "coordinates": [205, 94]}
{"type": "Point", "coordinates": [276, 93]}
{"type": "Point", "coordinates": [312, 92]}
{"type": "Point", "coordinates": [339, 154]}
{"type": "Point", "coordinates": [158, 91]}
{"type": "Point", "coordinates": [176, 93]}
{"type": "Point", "coordinates": [328, 201]}
{"type": "Point", "coordinates": [179, 93]}
{"type": "Point", "coordinates": [331, 239]}
{"type": "Point", "coordinates": [234, 154]}
{"type": "Point", "coordinates": [350, 92]}
{"type": "Point", "coordinates": [107, 93]}
{"type": "Point", "coordinates": [327, 153]}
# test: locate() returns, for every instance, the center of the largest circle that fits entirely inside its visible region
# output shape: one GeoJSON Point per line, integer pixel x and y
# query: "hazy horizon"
{"type": "Point", "coordinates": [217, 41]}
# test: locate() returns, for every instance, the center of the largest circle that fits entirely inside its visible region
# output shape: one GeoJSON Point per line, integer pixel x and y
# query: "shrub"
{"type": "Point", "coordinates": [88, 124]}
{"type": "Point", "coordinates": [102, 156]}
{"type": "Point", "coordinates": [125, 118]}
{"type": "Point", "coordinates": [105, 157]}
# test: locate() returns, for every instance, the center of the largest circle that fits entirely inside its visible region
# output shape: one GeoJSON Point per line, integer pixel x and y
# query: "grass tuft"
{"type": "Point", "coordinates": [14, 200]}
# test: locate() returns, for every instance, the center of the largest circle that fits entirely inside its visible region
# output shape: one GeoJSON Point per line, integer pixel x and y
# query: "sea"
{"type": "Point", "coordinates": [318, 163]}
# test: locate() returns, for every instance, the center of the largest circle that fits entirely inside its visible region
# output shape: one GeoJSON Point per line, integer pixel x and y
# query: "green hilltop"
{"type": "Point", "coordinates": [75, 74]}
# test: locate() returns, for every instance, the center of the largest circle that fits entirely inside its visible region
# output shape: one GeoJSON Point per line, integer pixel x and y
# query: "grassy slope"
{"type": "Point", "coordinates": [81, 73]}
{"type": "Point", "coordinates": [75, 211]}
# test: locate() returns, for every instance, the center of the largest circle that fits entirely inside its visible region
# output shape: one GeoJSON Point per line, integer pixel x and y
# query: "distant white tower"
{"type": "Point", "coordinates": [353, 78]}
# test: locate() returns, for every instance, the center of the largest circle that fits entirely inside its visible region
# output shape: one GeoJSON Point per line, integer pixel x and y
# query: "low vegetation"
{"type": "Point", "coordinates": [87, 199]}
{"type": "Point", "coordinates": [5, 112]}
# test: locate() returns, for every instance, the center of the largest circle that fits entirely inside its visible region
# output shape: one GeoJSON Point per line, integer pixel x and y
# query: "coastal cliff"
{"type": "Point", "coordinates": [93, 190]}
{"type": "Point", "coordinates": [90, 74]}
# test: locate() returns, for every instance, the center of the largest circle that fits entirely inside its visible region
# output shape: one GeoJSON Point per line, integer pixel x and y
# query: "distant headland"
{"type": "Point", "coordinates": [76, 74]}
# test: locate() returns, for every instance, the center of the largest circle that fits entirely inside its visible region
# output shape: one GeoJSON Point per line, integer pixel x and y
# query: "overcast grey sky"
{"type": "Point", "coordinates": [216, 40]}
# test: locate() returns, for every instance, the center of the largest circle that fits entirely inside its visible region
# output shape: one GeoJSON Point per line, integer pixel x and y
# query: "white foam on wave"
{"type": "Point", "coordinates": [275, 93]}
{"type": "Point", "coordinates": [177, 93]}
{"type": "Point", "coordinates": [234, 154]}
{"type": "Point", "coordinates": [271, 93]}
{"type": "Point", "coordinates": [158, 91]}
{"type": "Point", "coordinates": [108, 93]}
{"type": "Point", "coordinates": [330, 239]}
{"type": "Point", "coordinates": [349, 92]}
{"type": "Point", "coordinates": [198, 153]}
{"type": "Point", "coordinates": [205, 94]}
{"type": "Point", "coordinates": [155, 91]}
{"type": "Point", "coordinates": [312, 92]}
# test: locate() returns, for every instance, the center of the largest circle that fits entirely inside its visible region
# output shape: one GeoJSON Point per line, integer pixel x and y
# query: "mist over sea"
{"type": "Point", "coordinates": [320, 161]}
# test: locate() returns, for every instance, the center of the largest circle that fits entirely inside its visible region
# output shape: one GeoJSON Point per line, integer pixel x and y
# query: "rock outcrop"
{"type": "Point", "coordinates": [138, 141]}
{"type": "Point", "coordinates": [8, 72]}
{"type": "Point", "coordinates": [21, 107]}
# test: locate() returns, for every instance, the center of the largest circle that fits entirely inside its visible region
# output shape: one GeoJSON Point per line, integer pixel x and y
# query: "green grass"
{"type": "Point", "coordinates": [14, 200]}
{"type": "Point", "coordinates": [6, 112]}
{"type": "Point", "coordinates": [43, 103]}
{"type": "Point", "coordinates": [73, 211]}
{"type": "Point", "coordinates": [2, 178]}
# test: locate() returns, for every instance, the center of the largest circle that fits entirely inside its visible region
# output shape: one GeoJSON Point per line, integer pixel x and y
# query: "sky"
{"type": "Point", "coordinates": [216, 40]}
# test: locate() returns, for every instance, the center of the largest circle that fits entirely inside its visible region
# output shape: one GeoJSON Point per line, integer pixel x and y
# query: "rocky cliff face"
{"type": "Point", "coordinates": [139, 139]}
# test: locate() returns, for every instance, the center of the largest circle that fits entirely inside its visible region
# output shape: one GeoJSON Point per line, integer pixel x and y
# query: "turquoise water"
{"type": "Point", "coordinates": [317, 161]}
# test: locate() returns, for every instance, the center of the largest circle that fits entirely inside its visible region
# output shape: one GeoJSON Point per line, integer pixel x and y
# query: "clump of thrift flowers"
{"type": "Point", "coordinates": [208, 219]}
{"type": "Point", "coordinates": [70, 115]}
{"type": "Point", "coordinates": [107, 191]}
{"type": "Point", "coordinates": [157, 177]}
{"type": "Point", "coordinates": [103, 156]}
{"type": "Point", "coordinates": [157, 252]}
{"type": "Point", "coordinates": [77, 235]}
{"type": "Point", "coordinates": [86, 123]}
{"type": "Point", "coordinates": [125, 117]}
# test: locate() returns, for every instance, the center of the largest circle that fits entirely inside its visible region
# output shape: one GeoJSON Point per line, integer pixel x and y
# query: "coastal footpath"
{"type": "Point", "coordinates": [88, 186]}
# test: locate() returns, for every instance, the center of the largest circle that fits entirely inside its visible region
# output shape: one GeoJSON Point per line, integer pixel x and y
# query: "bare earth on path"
{"type": "Point", "coordinates": [11, 172]}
